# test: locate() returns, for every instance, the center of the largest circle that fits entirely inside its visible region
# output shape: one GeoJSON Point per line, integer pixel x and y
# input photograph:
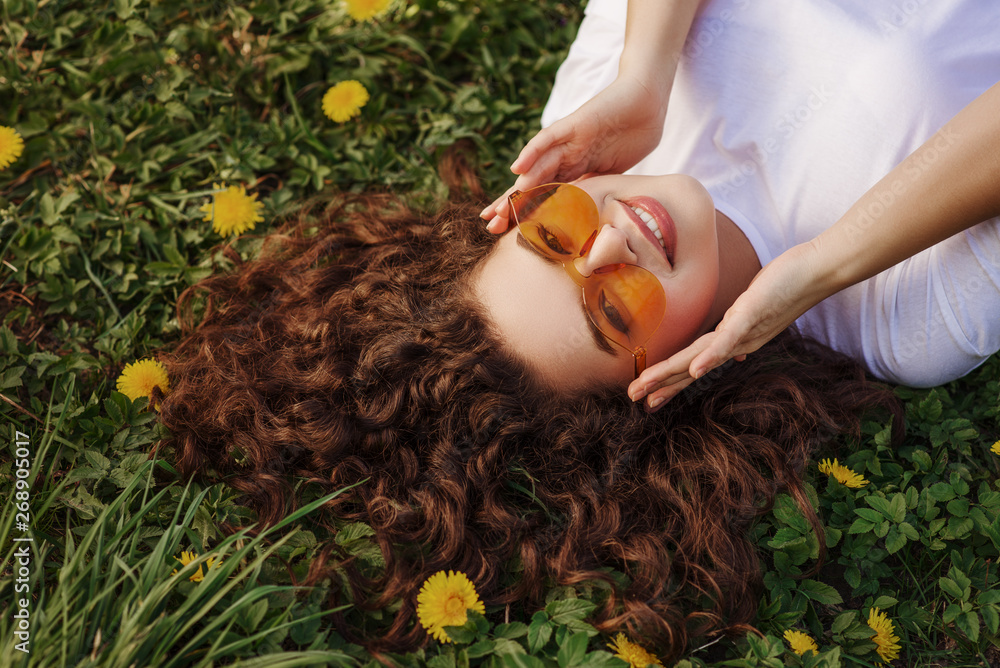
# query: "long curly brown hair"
{"type": "Point", "coordinates": [351, 350]}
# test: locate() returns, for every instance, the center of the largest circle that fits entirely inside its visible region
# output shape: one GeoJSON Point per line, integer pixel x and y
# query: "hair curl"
{"type": "Point", "coordinates": [358, 353]}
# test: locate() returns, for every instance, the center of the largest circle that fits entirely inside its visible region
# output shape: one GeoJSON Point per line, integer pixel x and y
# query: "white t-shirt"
{"type": "Point", "coordinates": [789, 110]}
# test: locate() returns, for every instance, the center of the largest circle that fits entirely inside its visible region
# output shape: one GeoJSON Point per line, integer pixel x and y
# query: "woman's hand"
{"type": "Point", "coordinates": [609, 134]}
{"type": "Point", "coordinates": [782, 291]}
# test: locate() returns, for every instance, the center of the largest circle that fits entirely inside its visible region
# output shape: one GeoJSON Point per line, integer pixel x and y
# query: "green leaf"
{"type": "Point", "coordinates": [12, 377]}
{"type": "Point", "coordinates": [353, 531]}
{"type": "Point", "coordinates": [907, 530]}
{"type": "Point", "coordinates": [520, 661]}
{"type": "Point", "coordinates": [960, 486]}
{"type": "Point", "coordinates": [465, 634]}
{"type": "Point", "coordinates": [968, 622]}
{"type": "Point", "coordinates": [820, 592]}
{"type": "Point", "coordinates": [569, 610]}
{"type": "Point", "coordinates": [251, 616]}
{"type": "Point", "coordinates": [872, 516]}
{"type": "Point", "coordinates": [97, 460]}
{"type": "Point", "coordinates": [923, 460]}
{"type": "Point", "coordinates": [512, 630]}
{"type": "Point", "coordinates": [784, 536]}
{"type": "Point", "coordinates": [959, 507]}
{"type": "Point", "coordinates": [991, 618]}
{"type": "Point", "coordinates": [853, 576]}
{"type": "Point", "coordinates": [894, 541]}
{"type": "Point", "coordinates": [930, 408]}
{"type": "Point", "coordinates": [988, 597]}
{"type": "Point", "coordinates": [950, 587]}
{"type": "Point", "coordinates": [880, 504]}
{"type": "Point", "coordinates": [884, 602]}
{"type": "Point", "coordinates": [860, 526]}
{"type": "Point", "coordinates": [539, 631]}
{"type": "Point", "coordinates": [572, 650]}
{"type": "Point", "coordinates": [897, 508]}
{"type": "Point", "coordinates": [480, 649]}
{"type": "Point", "coordinates": [504, 646]}
{"type": "Point", "coordinates": [442, 661]}
{"type": "Point", "coordinates": [47, 209]}
{"type": "Point", "coordinates": [603, 659]}
{"type": "Point", "coordinates": [941, 491]}
{"type": "Point", "coordinates": [843, 620]}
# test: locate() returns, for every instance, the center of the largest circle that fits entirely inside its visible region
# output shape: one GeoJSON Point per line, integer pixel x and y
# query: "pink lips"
{"type": "Point", "coordinates": [663, 221]}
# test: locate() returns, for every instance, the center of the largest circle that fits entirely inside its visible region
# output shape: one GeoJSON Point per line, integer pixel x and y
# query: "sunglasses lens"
{"type": "Point", "coordinates": [626, 302]}
{"type": "Point", "coordinates": [558, 219]}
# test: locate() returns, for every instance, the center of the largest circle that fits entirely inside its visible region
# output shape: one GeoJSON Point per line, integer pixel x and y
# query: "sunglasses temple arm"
{"type": "Point", "coordinates": [640, 360]}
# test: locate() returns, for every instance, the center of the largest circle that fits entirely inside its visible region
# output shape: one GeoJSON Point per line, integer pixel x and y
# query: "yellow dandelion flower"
{"type": "Point", "coordinates": [996, 448]}
{"type": "Point", "coordinates": [187, 557]}
{"type": "Point", "coordinates": [344, 100]}
{"type": "Point", "coordinates": [362, 10]}
{"type": "Point", "coordinates": [443, 601]}
{"type": "Point", "coordinates": [842, 474]}
{"type": "Point", "coordinates": [635, 655]}
{"type": "Point", "coordinates": [887, 642]}
{"type": "Point", "coordinates": [11, 146]}
{"type": "Point", "coordinates": [139, 378]}
{"type": "Point", "coordinates": [800, 642]}
{"type": "Point", "coordinates": [232, 211]}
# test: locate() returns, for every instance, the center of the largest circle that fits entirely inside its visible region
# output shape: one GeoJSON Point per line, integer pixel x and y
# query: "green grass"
{"type": "Point", "coordinates": [130, 111]}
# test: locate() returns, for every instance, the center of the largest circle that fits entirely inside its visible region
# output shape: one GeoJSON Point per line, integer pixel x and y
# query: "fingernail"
{"type": "Point", "coordinates": [698, 373]}
{"type": "Point", "coordinates": [482, 214]}
{"type": "Point", "coordinates": [656, 402]}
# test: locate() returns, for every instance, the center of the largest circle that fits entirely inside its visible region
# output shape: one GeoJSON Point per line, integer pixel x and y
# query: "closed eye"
{"type": "Point", "coordinates": [551, 240]}
{"type": "Point", "coordinates": [612, 314]}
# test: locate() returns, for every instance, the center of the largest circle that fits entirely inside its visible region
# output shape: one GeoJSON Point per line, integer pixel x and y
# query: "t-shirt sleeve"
{"type": "Point", "coordinates": [592, 62]}
{"type": "Point", "coordinates": [930, 319]}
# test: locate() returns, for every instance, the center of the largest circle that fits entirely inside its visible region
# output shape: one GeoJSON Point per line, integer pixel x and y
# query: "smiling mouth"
{"type": "Point", "coordinates": [650, 222]}
{"type": "Point", "coordinates": [655, 223]}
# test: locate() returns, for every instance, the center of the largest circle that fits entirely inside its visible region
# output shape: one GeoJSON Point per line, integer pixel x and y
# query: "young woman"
{"type": "Point", "coordinates": [357, 349]}
{"type": "Point", "coordinates": [849, 148]}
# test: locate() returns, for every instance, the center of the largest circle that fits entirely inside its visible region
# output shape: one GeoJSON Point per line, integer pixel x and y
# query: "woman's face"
{"type": "Point", "coordinates": [538, 309]}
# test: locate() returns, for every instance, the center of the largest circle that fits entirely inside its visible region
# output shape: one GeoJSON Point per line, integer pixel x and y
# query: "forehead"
{"type": "Point", "coordinates": [537, 311]}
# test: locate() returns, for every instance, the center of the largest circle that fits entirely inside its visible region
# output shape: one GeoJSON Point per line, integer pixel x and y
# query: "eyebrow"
{"type": "Point", "coordinates": [600, 340]}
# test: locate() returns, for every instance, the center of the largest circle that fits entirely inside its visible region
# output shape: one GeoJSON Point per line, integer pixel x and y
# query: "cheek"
{"type": "Point", "coordinates": [689, 301]}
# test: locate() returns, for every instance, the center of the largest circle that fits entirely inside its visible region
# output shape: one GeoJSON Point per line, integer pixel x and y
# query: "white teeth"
{"type": "Point", "coordinates": [650, 223]}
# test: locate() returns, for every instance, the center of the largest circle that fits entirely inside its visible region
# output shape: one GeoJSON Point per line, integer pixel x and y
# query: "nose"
{"type": "Point", "coordinates": [610, 247]}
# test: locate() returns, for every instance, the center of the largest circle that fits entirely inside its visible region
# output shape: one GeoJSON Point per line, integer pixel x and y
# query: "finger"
{"type": "Point", "coordinates": [660, 398]}
{"type": "Point", "coordinates": [659, 375]}
{"type": "Point", "coordinates": [657, 383]}
{"type": "Point", "coordinates": [535, 147]}
{"type": "Point", "coordinates": [669, 371]}
{"type": "Point", "coordinates": [491, 209]}
{"type": "Point", "coordinates": [719, 351]}
{"type": "Point", "coordinates": [499, 206]}
{"type": "Point", "coordinates": [547, 168]}
{"type": "Point", "coordinates": [499, 220]}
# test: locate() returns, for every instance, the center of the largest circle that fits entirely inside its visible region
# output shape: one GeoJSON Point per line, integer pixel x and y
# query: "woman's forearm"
{"type": "Point", "coordinates": [655, 32]}
{"type": "Point", "coordinates": [949, 184]}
